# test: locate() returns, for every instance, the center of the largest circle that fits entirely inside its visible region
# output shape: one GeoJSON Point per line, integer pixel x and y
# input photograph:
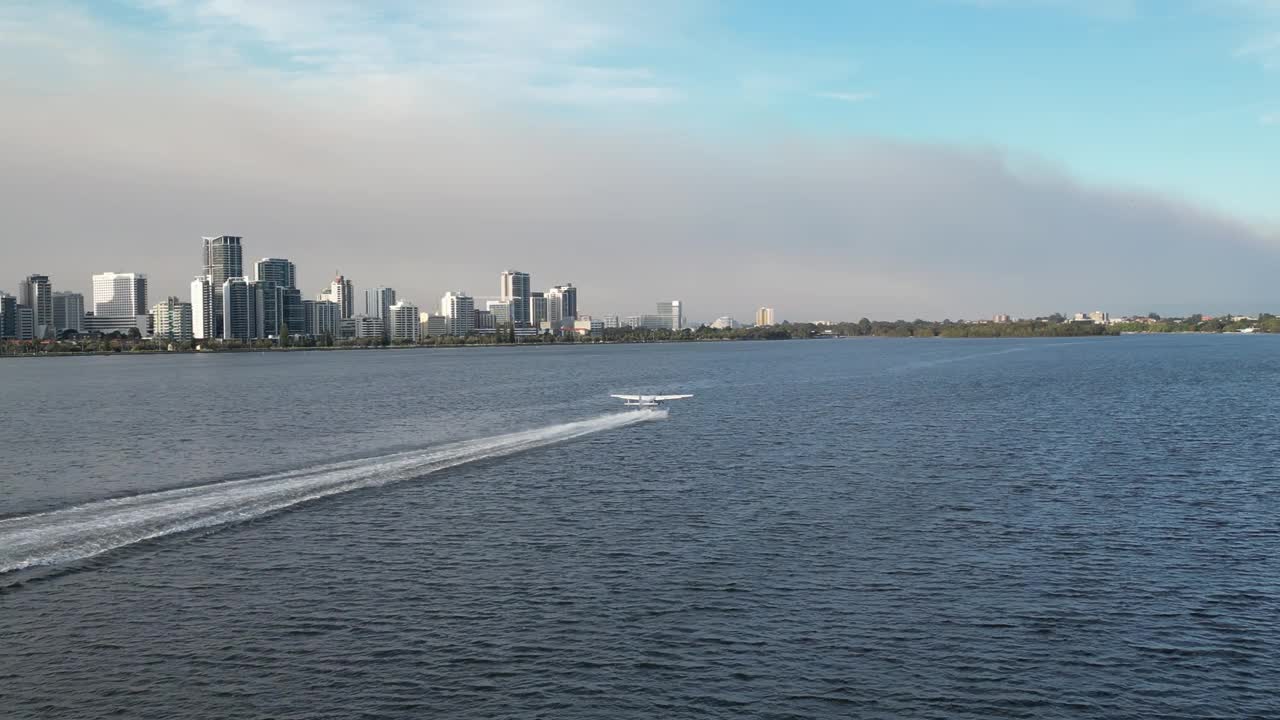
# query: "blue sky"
{"type": "Point", "coordinates": [893, 133]}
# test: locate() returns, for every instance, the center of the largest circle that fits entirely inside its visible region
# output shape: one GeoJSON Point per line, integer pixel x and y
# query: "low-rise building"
{"type": "Point", "coordinates": [724, 322]}
{"type": "Point", "coordinates": [359, 327]}
{"type": "Point", "coordinates": [171, 321]}
{"type": "Point", "coordinates": [589, 326]}
{"type": "Point", "coordinates": [432, 326]}
{"type": "Point", "coordinates": [122, 324]}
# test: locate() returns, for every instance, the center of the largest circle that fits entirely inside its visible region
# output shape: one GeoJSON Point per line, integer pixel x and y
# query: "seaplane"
{"type": "Point", "coordinates": [648, 401]}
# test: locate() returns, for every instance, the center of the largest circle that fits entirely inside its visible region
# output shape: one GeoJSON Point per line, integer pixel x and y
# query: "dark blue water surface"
{"type": "Point", "coordinates": [843, 528]}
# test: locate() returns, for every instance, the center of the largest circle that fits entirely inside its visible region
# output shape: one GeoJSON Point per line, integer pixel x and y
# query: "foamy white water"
{"type": "Point", "coordinates": [83, 531]}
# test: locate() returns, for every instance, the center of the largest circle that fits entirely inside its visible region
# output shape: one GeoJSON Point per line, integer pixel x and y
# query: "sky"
{"type": "Point", "coordinates": [920, 158]}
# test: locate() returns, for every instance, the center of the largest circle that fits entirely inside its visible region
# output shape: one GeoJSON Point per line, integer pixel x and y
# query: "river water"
{"type": "Point", "coordinates": [838, 528]}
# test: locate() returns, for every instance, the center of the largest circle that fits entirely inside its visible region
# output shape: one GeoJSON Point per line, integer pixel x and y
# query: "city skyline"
{"type": "Point", "coordinates": [833, 175]}
{"type": "Point", "coordinates": [279, 270]}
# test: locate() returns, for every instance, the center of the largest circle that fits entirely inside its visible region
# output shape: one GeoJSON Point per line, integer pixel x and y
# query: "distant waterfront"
{"type": "Point", "coordinates": [1042, 327]}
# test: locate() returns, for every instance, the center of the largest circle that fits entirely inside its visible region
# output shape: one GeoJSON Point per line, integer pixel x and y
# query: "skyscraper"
{"type": "Point", "coordinates": [284, 275]}
{"type": "Point", "coordinates": [459, 310]}
{"type": "Point", "coordinates": [537, 308]}
{"type": "Point", "coordinates": [223, 258]}
{"type": "Point", "coordinates": [277, 270]}
{"type": "Point", "coordinates": [8, 317]}
{"type": "Point", "coordinates": [36, 292]}
{"type": "Point", "coordinates": [204, 324]}
{"type": "Point", "coordinates": [294, 319]}
{"type": "Point", "coordinates": [172, 320]}
{"type": "Point", "coordinates": [402, 321]}
{"type": "Point", "coordinates": [764, 316]}
{"type": "Point", "coordinates": [119, 295]}
{"type": "Point", "coordinates": [515, 290]}
{"type": "Point", "coordinates": [342, 291]}
{"type": "Point", "coordinates": [271, 301]}
{"type": "Point", "coordinates": [562, 305]}
{"type": "Point", "coordinates": [241, 310]}
{"type": "Point", "coordinates": [377, 303]}
{"type": "Point", "coordinates": [672, 314]}
{"type": "Point", "coordinates": [320, 318]}
{"type": "Point", "coordinates": [68, 312]}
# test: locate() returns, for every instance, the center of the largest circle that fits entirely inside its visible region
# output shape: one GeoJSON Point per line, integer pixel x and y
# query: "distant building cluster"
{"type": "Point", "coordinates": [1096, 317]}
{"type": "Point", "coordinates": [227, 304]}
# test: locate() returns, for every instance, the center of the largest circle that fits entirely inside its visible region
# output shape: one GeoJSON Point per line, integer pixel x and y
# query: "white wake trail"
{"type": "Point", "coordinates": [83, 531]}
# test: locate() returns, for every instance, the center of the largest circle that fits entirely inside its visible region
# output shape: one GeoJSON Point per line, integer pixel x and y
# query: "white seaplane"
{"type": "Point", "coordinates": [648, 401]}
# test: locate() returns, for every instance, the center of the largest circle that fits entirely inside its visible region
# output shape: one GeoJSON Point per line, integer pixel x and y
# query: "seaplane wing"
{"type": "Point", "coordinates": [648, 401]}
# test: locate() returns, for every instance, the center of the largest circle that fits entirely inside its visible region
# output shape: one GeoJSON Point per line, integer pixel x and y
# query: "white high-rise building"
{"type": "Point", "coordinates": [562, 305]}
{"type": "Point", "coordinates": [402, 322]}
{"type": "Point", "coordinates": [204, 325]}
{"type": "Point", "coordinates": [68, 311]}
{"type": "Point", "coordinates": [119, 294]}
{"type": "Point", "coordinates": [459, 310]}
{"type": "Point", "coordinates": [672, 312]}
{"type": "Point", "coordinates": [343, 292]}
{"type": "Point", "coordinates": [515, 290]}
{"type": "Point", "coordinates": [172, 320]}
{"type": "Point", "coordinates": [499, 312]}
{"type": "Point", "coordinates": [764, 316]}
{"type": "Point", "coordinates": [377, 303]}
{"type": "Point", "coordinates": [537, 308]}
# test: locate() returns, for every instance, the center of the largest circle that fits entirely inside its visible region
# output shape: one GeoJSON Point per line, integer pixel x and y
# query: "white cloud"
{"type": "Point", "coordinates": [1099, 9]}
{"type": "Point", "coordinates": [1264, 49]}
{"type": "Point", "coordinates": [851, 97]}
{"type": "Point", "coordinates": [546, 52]}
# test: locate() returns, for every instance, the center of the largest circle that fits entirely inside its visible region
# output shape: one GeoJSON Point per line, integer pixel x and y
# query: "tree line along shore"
{"type": "Point", "coordinates": [1052, 326]}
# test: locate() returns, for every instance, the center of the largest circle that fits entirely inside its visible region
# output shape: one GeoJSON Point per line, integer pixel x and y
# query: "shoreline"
{"type": "Point", "coordinates": [461, 346]}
